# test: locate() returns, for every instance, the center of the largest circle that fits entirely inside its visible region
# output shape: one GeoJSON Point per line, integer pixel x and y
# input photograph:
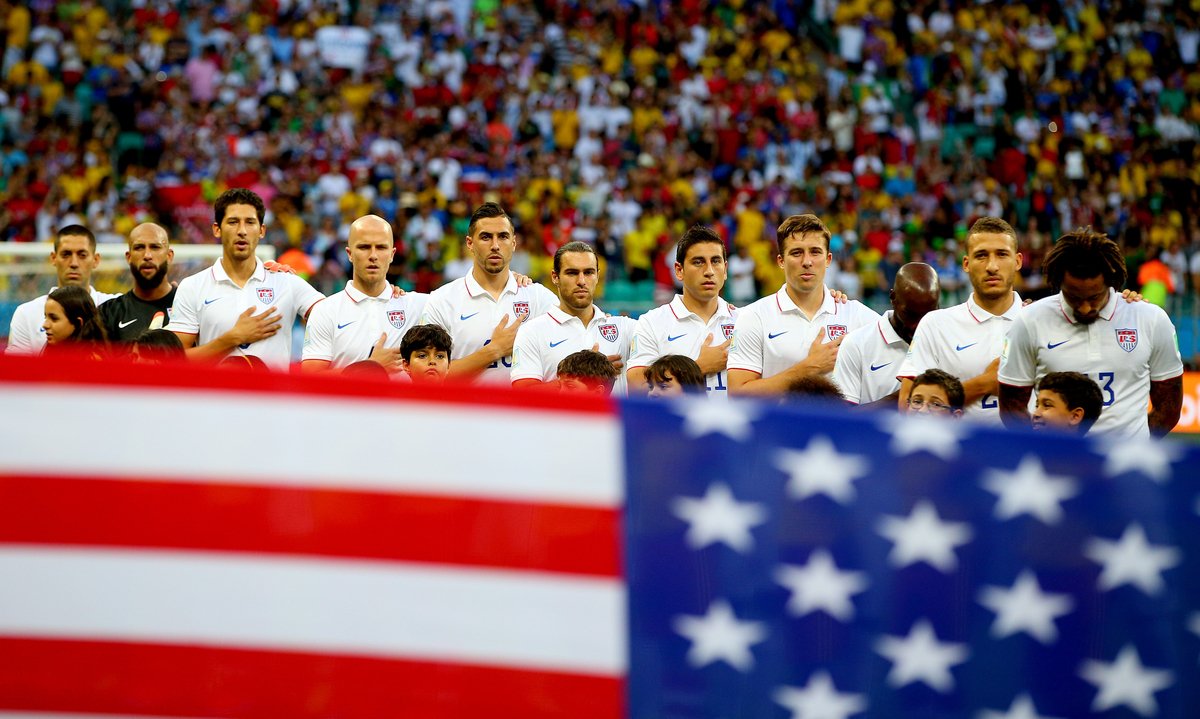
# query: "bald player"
{"type": "Point", "coordinates": [365, 321]}
{"type": "Point", "coordinates": [148, 305]}
{"type": "Point", "coordinates": [869, 357]}
{"type": "Point", "coordinates": [74, 258]}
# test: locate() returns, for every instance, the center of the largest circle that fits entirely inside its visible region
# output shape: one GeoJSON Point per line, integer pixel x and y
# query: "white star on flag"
{"type": "Point", "coordinates": [923, 536]}
{"type": "Point", "coordinates": [1025, 608]}
{"type": "Point", "coordinates": [701, 416]}
{"type": "Point", "coordinates": [819, 699]}
{"type": "Point", "coordinates": [821, 469]}
{"type": "Point", "coordinates": [1126, 682]}
{"type": "Point", "coordinates": [821, 585]}
{"type": "Point", "coordinates": [719, 517]}
{"type": "Point", "coordinates": [720, 636]}
{"type": "Point", "coordinates": [1194, 623]}
{"type": "Point", "coordinates": [920, 657]}
{"type": "Point", "coordinates": [1022, 708]}
{"type": "Point", "coordinates": [1029, 490]}
{"type": "Point", "coordinates": [1147, 455]}
{"type": "Point", "coordinates": [1131, 560]}
{"type": "Point", "coordinates": [914, 432]}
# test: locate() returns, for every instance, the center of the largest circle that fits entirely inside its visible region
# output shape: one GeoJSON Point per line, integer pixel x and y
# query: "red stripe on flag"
{"type": "Point", "coordinates": [168, 680]}
{"type": "Point", "coordinates": [321, 522]}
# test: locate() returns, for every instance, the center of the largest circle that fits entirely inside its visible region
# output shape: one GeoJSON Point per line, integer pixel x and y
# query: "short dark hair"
{"type": "Point", "coordinates": [80, 310]}
{"type": "Point", "coordinates": [238, 196]}
{"type": "Point", "coordinates": [485, 211]}
{"type": "Point", "coordinates": [940, 378]}
{"type": "Point", "coordinates": [684, 369]}
{"type": "Point", "coordinates": [573, 247]}
{"type": "Point", "coordinates": [695, 235]}
{"type": "Point", "coordinates": [989, 226]}
{"type": "Point", "coordinates": [801, 225]}
{"type": "Point", "coordinates": [588, 364]}
{"type": "Point", "coordinates": [1085, 253]}
{"type": "Point", "coordinates": [817, 386]}
{"type": "Point", "coordinates": [75, 231]}
{"type": "Point", "coordinates": [1077, 391]}
{"type": "Point", "coordinates": [159, 345]}
{"type": "Point", "coordinates": [424, 337]}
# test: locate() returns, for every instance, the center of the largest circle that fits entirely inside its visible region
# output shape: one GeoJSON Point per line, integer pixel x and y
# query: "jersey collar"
{"type": "Point", "coordinates": [680, 310]}
{"type": "Point", "coordinates": [259, 274]}
{"type": "Point", "coordinates": [558, 315]}
{"type": "Point", "coordinates": [887, 331]}
{"type": "Point", "coordinates": [785, 303]}
{"type": "Point", "coordinates": [475, 289]}
{"type": "Point", "coordinates": [1106, 314]}
{"type": "Point", "coordinates": [356, 295]}
{"type": "Point", "coordinates": [981, 315]}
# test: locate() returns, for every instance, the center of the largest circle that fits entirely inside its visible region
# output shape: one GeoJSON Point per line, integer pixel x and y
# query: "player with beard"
{"type": "Point", "coordinates": [148, 305]}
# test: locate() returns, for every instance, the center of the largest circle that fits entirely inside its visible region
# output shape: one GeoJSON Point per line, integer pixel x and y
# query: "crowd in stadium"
{"type": "Point", "coordinates": [617, 123]}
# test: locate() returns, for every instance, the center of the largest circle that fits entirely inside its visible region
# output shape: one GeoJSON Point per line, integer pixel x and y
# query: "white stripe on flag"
{"type": "Point", "coordinates": [552, 457]}
{"type": "Point", "coordinates": [518, 619]}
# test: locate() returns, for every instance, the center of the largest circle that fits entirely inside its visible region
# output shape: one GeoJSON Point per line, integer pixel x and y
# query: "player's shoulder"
{"type": "Point", "coordinates": [35, 306]}
{"type": "Point", "coordinates": [451, 289]}
{"type": "Point", "coordinates": [860, 311]}
{"type": "Point", "coordinates": [656, 315]}
{"type": "Point", "coordinates": [761, 306]}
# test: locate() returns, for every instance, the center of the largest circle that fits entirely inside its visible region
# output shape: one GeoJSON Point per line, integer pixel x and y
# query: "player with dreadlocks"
{"type": "Point", "coordinates": [1128, 349]}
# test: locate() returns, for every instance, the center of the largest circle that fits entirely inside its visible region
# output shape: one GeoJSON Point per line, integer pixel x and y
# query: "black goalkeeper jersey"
{"type": "Point", "coordinates": [128, 316]}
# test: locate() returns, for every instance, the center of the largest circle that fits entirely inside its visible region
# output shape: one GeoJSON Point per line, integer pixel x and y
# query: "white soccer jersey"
{"type": "Point", "coordinates": [773, 334]}
{"type": "Point", "coordinates": [470, 314]}
{"type": "Point", "coordinates": [208, 304]}
{"type": "Point", "coordinates": [543, 342]}
{"type": "Point", "coordinates": [868, 360]}
{"type": "Point", "coordinates": [26, 335]}
{"type": "Point", "coordinates": [343, 329]}
{"type": "Point", "coordinates": [962, 340]}
{"type": "Point", "coordinates": [673, 329]}
{"type": "Point", "coordinates": [1131, 345]}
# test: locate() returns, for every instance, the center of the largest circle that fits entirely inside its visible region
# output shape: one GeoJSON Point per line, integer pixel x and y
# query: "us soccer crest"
{"type": "Point", "coordinates": [521, 310]}
{"type": "Point", "coordinates": [266, 295]}
{"type": "Point", "coordinates": [396, 318]}
{"type": "Point", "coordinates": [1127, 339]}
{"type": "Point", "coordinates": [728, 330]}
{"type": "Point", "coordinates": [609, 332]}
{"type": "Point", "coordinates": [836, 331]}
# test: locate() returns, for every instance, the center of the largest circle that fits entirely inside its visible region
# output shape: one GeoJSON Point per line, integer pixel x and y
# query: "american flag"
{"type": "Point", "coordinates": [810, 563]}
{"type": "Point", "coordinates": [194, 542]}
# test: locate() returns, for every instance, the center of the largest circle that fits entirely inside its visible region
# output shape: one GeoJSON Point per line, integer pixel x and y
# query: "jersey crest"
{"type": "Point", "coordinates": [1127, 339]}
{"type": "Point", "coordinates": [396, 318]}
{"type": "Point", "coordinates": [609, 332]}
{"type": "Point", "coordinates": [836, 331]}
{"type": "Point", "coordinates": [521, 310]}
{"type": "Point", "coordinates": [266, 295]}
{"type": "Point", "coordinates": [728, 330]}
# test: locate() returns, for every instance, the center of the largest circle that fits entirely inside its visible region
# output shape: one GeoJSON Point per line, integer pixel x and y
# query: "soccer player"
{"type": "Point", "coordinates": [425, 354]}
{"type": "Point", "coordinates": [965, 340]}
{"type": "Point", "coordinates": [869, 357]}
{"type": "Point", "coordinates": [688, 324]}
{"type": "Point", "coordinates": [1128, 348]}
{"type": "Point", "coordinates": [674, 376]}
{"type": "Point", "coordinates": [936, 392]}
{"type": "Point", "coordinates": [1068, 401]}
{"type": "Point", "coordinates": [796, 331]}
{"type": "Point", "coordinates": [483, 310]}
{"type": "Point", "coordinates": [237, 307]}
{"type": "Point", "coordinates": [586, 372]}
{"type": "Point", "coordinates": [148, 305]}
{"type": "Point", "coordinates": [74, 258]}
{"type": "Point", "coordinates": [575, 324]}
{"type": "Point", "coordinates": [365, 321]}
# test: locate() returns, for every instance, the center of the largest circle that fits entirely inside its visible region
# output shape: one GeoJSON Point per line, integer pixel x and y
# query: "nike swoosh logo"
{"type": "Point", "coordinates": [555, 344]}
{"type": "Point", "coordinates": [209, 302]}
{"type": "Point", "coordinates": [876, 368]}
{"type": "Point", "coordinates": [672, 339]}
{"type": "Point", "coordinates": [123, 325]}
{"type": "Point", "coordinates": [777, 334]}
{"type": "Point", "coordinates": [464, 318]}
{"type": "Point", "coordinates": [342, 327]}
{"type": "Point", "coordinates": [1050, 346]}
{"type": "Point", "coordinates": [960, 348]}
